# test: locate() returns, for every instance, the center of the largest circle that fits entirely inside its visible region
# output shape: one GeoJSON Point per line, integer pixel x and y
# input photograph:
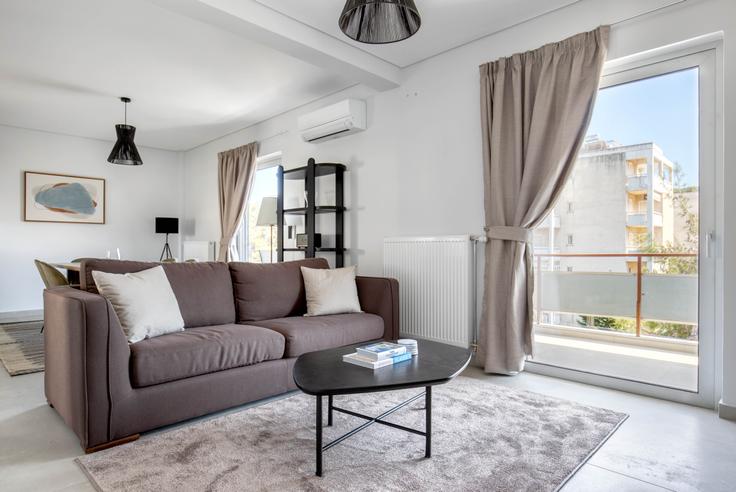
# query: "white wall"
{"type": "Point", "coordinates": [135, 195]}
{"type": "Point", "coordinates": [417, 170]}
{"type": "Point", "coordinates": [393, 187]}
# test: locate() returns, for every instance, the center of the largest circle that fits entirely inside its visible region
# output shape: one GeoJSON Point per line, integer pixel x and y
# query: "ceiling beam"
{"type": "Point", "coordinates": [259, 23]}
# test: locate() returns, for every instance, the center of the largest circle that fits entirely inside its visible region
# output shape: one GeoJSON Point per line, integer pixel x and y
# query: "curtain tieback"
{"type": "Point", "coordinates": [510, 233]}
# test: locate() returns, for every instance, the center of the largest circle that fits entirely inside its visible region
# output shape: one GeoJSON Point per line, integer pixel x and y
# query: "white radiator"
{"type": "Point", "coordinates": [436, 295]}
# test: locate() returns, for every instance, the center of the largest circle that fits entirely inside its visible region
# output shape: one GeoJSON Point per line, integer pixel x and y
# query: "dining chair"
{"type": "Point", "coordinates": [51, 276]}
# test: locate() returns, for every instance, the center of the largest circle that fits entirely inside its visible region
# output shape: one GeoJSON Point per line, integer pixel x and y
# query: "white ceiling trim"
{"type": "Point", "coordinates": [257, 22]}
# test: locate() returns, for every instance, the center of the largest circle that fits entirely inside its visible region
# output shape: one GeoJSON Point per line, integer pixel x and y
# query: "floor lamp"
{"type": "Point", "coordinates": [167, 225]}
{"type": "Point", "coordinates": [267, 217]}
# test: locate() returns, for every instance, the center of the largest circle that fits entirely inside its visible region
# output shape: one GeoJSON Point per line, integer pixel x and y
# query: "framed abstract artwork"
{"type": "Point", "coordinates": [62, 198]}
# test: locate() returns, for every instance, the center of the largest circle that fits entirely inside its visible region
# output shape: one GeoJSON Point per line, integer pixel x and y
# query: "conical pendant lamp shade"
{"type": "Point", "coordinates": [124, 151]}
{"type": "Point", "coordinates": [379, 21]}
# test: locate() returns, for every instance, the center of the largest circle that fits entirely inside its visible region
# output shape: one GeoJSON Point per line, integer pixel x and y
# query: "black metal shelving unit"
{"type": "Point", "coordinates": [309, 174]}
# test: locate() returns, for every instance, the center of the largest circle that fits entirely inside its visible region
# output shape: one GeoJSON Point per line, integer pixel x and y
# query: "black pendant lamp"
{"type": "Point", "coordinates": [379, 21]}
{"type": "Point", "coordinates": [124, 151]}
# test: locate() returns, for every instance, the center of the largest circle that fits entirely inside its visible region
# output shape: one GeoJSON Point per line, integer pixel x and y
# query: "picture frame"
{"type": "Point", "coordinates": [66, 198]}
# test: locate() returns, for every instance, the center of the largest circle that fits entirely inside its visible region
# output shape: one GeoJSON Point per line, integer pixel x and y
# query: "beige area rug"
{"type": "Point", "coordinates": [485, 437]}
{"type": "Point", "coordinates": [21, 348]}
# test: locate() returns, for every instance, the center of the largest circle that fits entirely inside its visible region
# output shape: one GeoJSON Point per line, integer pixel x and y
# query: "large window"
{"type": "Point", "coordinates": [632, 296]}
{"type": "Point", "coordinates": [257, 243]}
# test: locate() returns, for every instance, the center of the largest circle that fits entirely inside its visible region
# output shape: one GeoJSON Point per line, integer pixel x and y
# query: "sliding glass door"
{"type": "Point", "coordinates": [624, 283]}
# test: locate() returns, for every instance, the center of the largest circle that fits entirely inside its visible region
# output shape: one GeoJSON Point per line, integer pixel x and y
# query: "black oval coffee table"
{"type": "Point", "coordinates": [323, 373]}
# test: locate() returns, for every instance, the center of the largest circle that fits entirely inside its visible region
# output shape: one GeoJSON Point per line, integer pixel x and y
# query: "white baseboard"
{"type": "Point", "coordinates": [727, 412]}
{"type": "Point", "coordinates": [21, 316]}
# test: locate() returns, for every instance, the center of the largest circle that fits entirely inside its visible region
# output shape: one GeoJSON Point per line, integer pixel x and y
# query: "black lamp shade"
{"type": "Point", "coordinates": [379, 21]}
{"type": "Point", "coordinates": [167, 225]}
{"type": "Point", "coordinates": [124, 151]}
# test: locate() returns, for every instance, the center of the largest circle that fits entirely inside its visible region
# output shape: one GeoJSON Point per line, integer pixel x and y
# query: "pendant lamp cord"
{"type": "Point", "coordinates": [125, 106]}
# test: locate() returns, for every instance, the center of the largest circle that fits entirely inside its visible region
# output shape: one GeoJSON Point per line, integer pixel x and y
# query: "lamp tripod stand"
{"type": "Point", "coordinates": [166, 252]}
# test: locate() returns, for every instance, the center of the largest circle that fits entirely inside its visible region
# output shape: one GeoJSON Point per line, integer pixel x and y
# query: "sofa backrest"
{"type": "Point", "coordinates": [269, 291]}
{"type": "Point", "coordinates": [204, 291]}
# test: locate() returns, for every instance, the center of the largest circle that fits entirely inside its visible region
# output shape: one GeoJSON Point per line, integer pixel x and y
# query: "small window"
{"type": "Point", "coordinates": [569, 240]}
{"type": "Point", "coordinates": [569, 269]}
{"type": "Point", "coordinates": [256, 243]}
{"type": "Point", "coordinates": [570, 207]}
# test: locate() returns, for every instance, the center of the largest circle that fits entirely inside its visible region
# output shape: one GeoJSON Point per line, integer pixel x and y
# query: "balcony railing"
{"type": "Point", "coordinates": [637, 183]}
{"type": "Point", "coordinates": [637, 219]}
{"type": "Point", "coordinates": [640, 295]}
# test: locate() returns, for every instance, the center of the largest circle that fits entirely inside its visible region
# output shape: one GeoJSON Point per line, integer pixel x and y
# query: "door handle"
{"type": "Point", "coordinates": [709, 237]}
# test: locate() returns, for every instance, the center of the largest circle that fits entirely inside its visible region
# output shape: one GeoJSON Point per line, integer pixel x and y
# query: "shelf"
{"type": "Point", "coordinates": [323, 169]}
{"type": "Point", "coordinates": [308, 177]}
{"type": "Point", "coordinates": [324, 209]}
{"type": "Point", "coordinates": [324, 250]}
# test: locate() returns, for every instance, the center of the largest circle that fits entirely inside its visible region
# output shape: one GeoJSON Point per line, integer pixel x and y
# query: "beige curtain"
{"type": "Point", "coordinates": [535, 109]}
{"type": "Point", "coordinates": [235, 171]}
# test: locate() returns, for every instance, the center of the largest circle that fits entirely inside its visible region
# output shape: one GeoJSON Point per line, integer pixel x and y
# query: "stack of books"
{"type": "Point", "coordinates": [377, 355]}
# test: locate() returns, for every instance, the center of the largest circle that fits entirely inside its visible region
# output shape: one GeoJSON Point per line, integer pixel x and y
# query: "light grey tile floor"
{"type": "Point", "coordinates": [662, 446]}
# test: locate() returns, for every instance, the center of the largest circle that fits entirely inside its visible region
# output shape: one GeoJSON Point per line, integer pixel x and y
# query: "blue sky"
{"type": "Point", "coordinates": [265, 184]}
{"type": "Point", "coordinates": [663, 110]}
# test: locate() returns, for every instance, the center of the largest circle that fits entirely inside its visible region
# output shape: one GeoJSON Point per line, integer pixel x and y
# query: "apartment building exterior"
{"type": "Point", "coordinates": [619, 199]}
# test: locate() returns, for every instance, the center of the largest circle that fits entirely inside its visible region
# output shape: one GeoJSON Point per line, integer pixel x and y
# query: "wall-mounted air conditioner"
{"type": "Point", "coordinates": [333, 121]}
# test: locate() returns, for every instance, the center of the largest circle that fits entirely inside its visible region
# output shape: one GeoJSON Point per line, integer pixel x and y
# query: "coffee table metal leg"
{"type": "Point", "coordinates": [329, 410]}
{"type": "Point", "coordinates": [428, 422]}
{"type": "Point", "coordinates": [318, 471]}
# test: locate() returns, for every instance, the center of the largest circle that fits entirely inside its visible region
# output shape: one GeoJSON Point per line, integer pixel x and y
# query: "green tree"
{"type": "Point", "coordinates": [676, 265]}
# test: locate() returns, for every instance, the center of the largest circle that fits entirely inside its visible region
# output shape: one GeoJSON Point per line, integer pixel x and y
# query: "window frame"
{"type": "Point", "coordinates": [265, 161]}
{"type": "Point", "coordinates": [706, 54]}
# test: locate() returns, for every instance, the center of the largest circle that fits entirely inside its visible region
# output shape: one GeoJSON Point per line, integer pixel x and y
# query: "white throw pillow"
{"type": "Point", "coordinates": [330, 291]}
{"type": "Point", "coordinates": [143, 301]}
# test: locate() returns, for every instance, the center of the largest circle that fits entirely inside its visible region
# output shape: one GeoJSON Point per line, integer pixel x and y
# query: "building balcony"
{"type": "Point", "coordinates": [665, 362]}
{"type": "Point", "coordinates": [637, 219]}
{"type": "Point", "coordinates": [566, 302]}
{"type": "Point", "coordinates": [637, 183]}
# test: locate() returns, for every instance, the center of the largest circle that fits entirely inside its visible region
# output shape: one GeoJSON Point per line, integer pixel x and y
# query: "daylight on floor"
{"type": "Point", "coordinates": [370, 245]}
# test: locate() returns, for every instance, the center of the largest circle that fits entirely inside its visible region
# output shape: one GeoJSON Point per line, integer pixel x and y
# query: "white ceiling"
{"type": "Point", "coordinates": [64, 63]}
{"type": "Point", "coordinates": [199, 69]}
{"type": "Point", "coordinates": [446, 24]}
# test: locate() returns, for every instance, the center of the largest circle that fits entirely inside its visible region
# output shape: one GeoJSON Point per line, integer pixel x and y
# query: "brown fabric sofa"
{"type": "Point", "coordinates": [244, 330]}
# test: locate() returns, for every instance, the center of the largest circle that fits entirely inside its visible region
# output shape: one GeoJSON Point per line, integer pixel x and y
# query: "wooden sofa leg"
{"type": "Point", "coordinates": [112, 444]}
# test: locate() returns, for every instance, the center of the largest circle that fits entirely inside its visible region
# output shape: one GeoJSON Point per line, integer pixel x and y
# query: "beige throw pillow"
{"type": "Point", "coordinates": [143, 301]}
{"type": "Point", "coordinates": [330, 291]}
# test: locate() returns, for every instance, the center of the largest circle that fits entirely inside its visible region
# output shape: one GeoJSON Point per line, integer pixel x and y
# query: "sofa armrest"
{"type": "Point", "coordinates": [85, 350]}
{"type": "Point", "coordinates": [380, 295]}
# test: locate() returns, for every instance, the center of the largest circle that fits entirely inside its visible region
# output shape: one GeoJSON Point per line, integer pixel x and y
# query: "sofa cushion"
{"type": "Point", "coordinates": [202, 350]}
{"type": "Point", "coordinates": [307, 334]}
{"type": "Point", "coordinates": [331, 291]}
{"type": "Point", "coordinates": [272, 290]}
{"type": "Point", "coordinates": [144, 302]}
{"type": "Point", "coordinates": [204, 290]}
